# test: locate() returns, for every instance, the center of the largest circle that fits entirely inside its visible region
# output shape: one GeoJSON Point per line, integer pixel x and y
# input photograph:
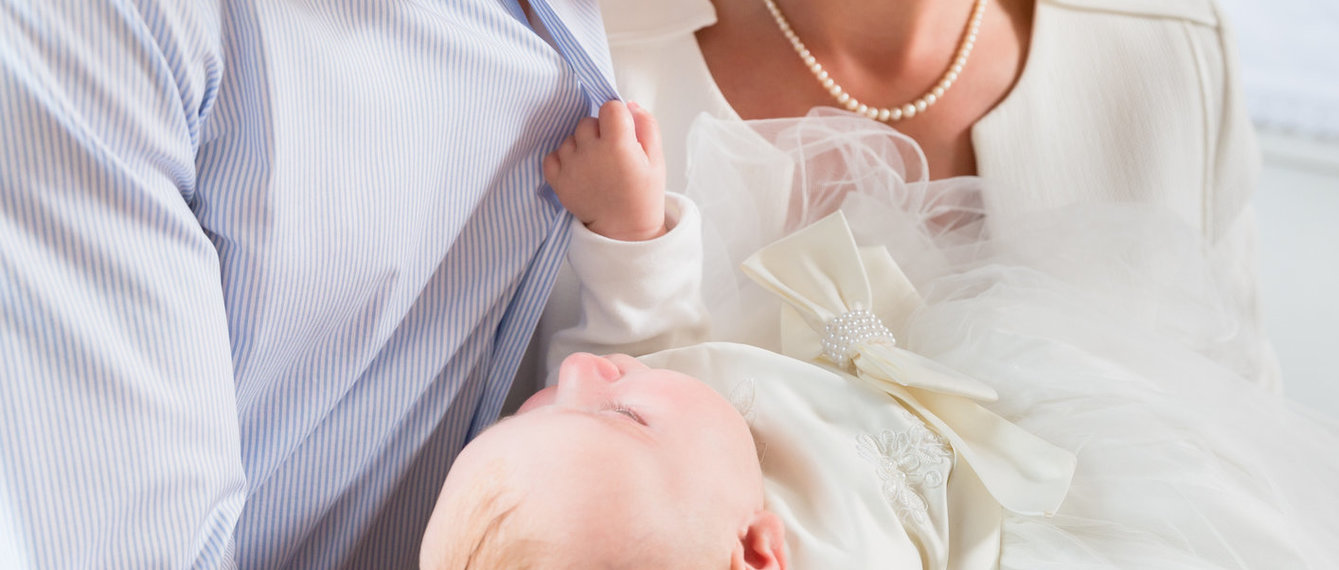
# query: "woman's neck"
{"type": "Point", "coordinates": [884, 36]}
{"type": "Point", "coordinates": [883, 52]}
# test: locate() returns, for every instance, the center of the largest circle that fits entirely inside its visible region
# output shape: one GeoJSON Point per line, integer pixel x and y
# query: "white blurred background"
{"type": "Point", "coordinates": [1290, 75]}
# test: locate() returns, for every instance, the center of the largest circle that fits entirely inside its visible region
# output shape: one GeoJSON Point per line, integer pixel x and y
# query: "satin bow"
{"type": "Point", "coordinates": [823, 277]}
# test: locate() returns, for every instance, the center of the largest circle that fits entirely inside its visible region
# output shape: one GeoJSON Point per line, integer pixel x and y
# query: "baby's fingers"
{"type": "Point", "coordinates": [616, 122]}
{"type": "Point", "coordinates": [552, 166]}
{"type": "Point", "coordinates": [588, 129]}
{"type": "Point", "coordinates": [648, 131]}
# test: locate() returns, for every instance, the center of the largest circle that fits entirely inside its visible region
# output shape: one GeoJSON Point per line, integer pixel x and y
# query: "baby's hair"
{"type": "Point", "coordinates": [487, 535]}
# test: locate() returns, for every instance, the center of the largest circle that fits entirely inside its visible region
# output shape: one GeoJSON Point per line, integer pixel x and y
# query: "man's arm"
{"type": "Point", "coordinates": [118, 428]}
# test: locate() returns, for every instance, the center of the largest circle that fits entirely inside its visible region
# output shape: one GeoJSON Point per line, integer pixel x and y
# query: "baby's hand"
{"type": "Point", "coordinates": [611, 175]}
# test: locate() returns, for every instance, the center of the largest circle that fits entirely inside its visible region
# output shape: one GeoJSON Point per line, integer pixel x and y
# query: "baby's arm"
{"type": "Point", "coordinates": [635, 251]}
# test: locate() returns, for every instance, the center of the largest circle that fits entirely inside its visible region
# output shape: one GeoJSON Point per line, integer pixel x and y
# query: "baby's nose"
{"type": "Point", "coordinates": [583, 374]}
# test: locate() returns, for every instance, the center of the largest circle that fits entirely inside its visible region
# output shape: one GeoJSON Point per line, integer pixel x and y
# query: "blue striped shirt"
{"type": "Point", "coordinates": [265, 266]}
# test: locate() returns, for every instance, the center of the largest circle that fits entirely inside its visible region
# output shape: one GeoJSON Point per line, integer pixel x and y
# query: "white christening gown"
{"type": "Point", "coordinates": [1103, 329]}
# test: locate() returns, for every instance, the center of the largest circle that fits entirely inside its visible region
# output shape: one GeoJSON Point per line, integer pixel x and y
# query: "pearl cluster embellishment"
{"type": "Point", "coordinates": [843, 332]}
{"type": "Point", "coordinates": [889, 114]}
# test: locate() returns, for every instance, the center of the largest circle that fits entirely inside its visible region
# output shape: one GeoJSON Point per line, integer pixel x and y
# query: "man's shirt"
{"type": "Point", "coordinates": [266, 266]}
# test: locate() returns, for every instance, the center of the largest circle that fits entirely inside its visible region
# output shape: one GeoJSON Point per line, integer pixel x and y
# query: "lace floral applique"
{"type": "Point", "coordinates": [743, 396]}
{"type": "Point", "coordinates": [908, 462]}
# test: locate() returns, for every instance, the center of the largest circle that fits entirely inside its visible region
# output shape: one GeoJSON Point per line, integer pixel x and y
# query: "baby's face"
{"type": "Point", "coordinates": [618, 458]}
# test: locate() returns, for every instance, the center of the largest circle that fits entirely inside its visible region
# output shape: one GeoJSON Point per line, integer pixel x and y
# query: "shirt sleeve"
{"type": "Point", "coordinates": [636, 297]}
{"type": "Point", "coordinates": [1229, 219]}
{"type": "Point", "coordinates": [119, 443]}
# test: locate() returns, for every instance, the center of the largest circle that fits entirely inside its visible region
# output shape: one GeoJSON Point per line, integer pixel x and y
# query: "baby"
{"type": "Point", "coordinates": [617, 465]}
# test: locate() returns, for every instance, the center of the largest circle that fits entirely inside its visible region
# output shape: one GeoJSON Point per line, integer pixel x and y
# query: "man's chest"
{"type": "Point", "coordinates": [357, 158]}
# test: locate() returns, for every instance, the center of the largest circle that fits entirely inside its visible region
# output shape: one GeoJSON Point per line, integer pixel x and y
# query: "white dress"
{"type": "Point", "coordinates": [1104, 329]}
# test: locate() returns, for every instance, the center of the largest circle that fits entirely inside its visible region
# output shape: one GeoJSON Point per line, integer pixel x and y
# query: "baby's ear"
{"type": "Point", "coordinates": [762, 544]}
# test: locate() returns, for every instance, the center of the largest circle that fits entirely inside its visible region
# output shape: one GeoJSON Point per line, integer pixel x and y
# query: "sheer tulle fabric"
{"type": "Point", "coordinates": [1107, 329]}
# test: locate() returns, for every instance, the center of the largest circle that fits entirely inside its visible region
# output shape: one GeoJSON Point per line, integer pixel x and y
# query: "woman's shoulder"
{"type": "Point", "coordinates": [1204, 12]}
{"type": "Point", "coordinates": [638, 21]}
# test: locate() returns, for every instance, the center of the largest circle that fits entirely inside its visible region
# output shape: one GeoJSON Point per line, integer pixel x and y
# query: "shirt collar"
{"type": "Point", "coordinates": [644, 21]}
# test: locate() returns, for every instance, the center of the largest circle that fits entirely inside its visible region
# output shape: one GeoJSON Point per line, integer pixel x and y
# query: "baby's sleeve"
{"type": "Point", "coordinates": [633, 297]}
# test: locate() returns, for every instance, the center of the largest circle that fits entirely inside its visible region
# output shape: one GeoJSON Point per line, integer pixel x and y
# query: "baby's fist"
{"type": "Point", "coordinates": [611, 174]}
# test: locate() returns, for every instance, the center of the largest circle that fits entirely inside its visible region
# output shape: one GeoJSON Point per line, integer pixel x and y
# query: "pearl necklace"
{"type": "Point", "coordinates": [891, 114]}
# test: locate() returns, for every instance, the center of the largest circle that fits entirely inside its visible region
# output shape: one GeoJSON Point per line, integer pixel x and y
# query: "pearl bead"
{"type": "Point", "coordinates": [937, 92]}
{"type": "Point", "coordinates": [908, 111]}
{"type": "Point", "coordinates": [930, 98]}
{"type": "Point", "coordinates": [956, 69]}
{"type": "Point", "coordinates": [895, 114]}
{"type": "Point", "coordinates": [884, 114]}
{"type": "Point", "coordinates": [951, 76]}
{"type": "Point", "coordinates": [822, 74]}
{"type": "Point", "coordinates": [828, 83]}
{"type": "Point", "coordinates": [852, 104]}
{"type": "Point", "coordinates": [842, 334]}
{"type": "Point", "coordinates": [843, 98]}
{"type": "Point", "coordinates": [862, 109]}
{"type": "Point", "coordinates": [872, 113]}
{"type": "Point", "coordinates": [921, 105]}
